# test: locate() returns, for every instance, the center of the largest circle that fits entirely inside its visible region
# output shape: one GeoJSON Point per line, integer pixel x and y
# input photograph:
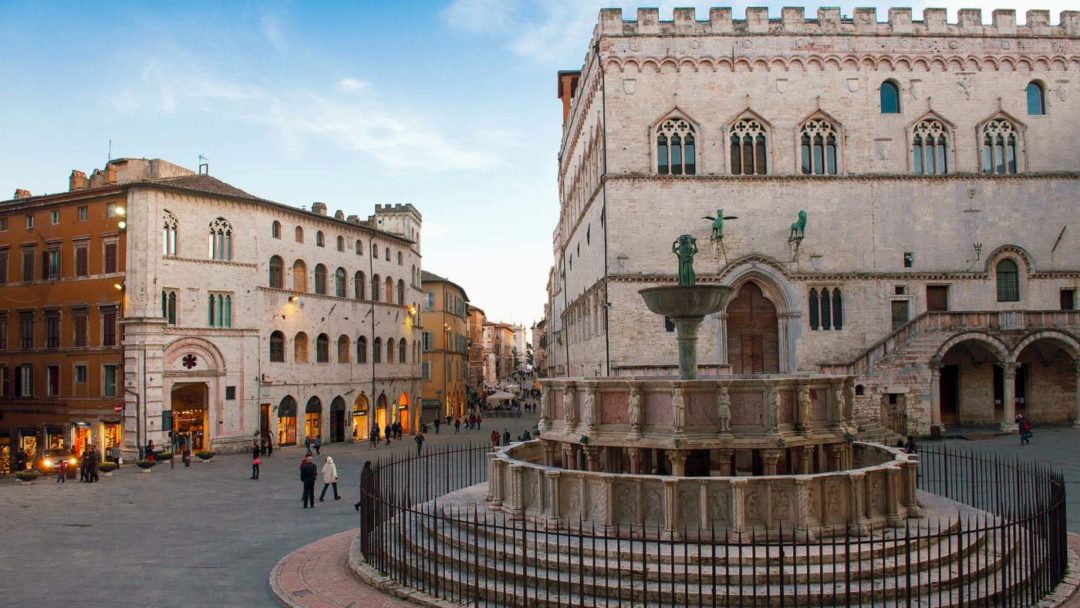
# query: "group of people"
{"type": "Point", "coordinates": [393, 431]}
{"type": "Point", "coordinates": [309, 474]}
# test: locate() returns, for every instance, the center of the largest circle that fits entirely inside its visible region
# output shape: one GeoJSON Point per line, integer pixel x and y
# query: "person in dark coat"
{"type": "Point", "coordinates": [93, 464]}
{"type": "Point", "coordinates": [506, 437]}
{"type": "Point", "coordinates": [419, 442]}
{"type": "Point", "coordinates": [269, 444]}
{"type": "Point", "coordinates": [308, 474]}
{"type": "Point", "coordinates": [318, 444]}
{"type": "Point", "coordinates": [256, 460]}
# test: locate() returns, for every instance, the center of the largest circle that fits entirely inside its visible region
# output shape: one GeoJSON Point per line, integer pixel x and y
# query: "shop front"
{"type": "Point", "coordinates": [287, 421]}
{"type": "Point", "coordinates": [361, 424]}
{"type": "Point", "coordinates": [189, 414]}
{"type": "Point", "coordinates": [337, 420]}
{"type": "Point", "coordinates": [313, 419]}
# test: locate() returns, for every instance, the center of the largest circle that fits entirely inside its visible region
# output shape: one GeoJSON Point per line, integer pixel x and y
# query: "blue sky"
{"type": "Point", "coordinates": [447, 105]}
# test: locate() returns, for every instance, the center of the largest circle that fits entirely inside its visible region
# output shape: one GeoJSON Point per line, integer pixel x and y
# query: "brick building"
{"type": "Point", "coordinates": [234, 314]}
{"type": "Point", "coordinates": [476, 348]}
{"type": "Point", "coordinates": [936, 164]}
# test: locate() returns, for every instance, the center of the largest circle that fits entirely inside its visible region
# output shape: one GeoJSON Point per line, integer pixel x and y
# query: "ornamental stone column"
{"type": "Point", "coordinates": [678, 462]}
{"type": "Point", "coordinates": [738, 506]}
{"type": "Point", "coordinates": [1008, 373]}
{"type": "Point", "coordinates": [892, 512]}
{"type": "Point", "coordinates": [935, 394]}
{"type": "Point", "coordinates": [806, 461]}
{"type": "Point", "coordinates": [802, 507]}
{"type": "Point", "coordinates": [857, 508]}
{"type": "Point", "coordinates": [727, 460]}
{"type": "Point", "coordinates": [833, 452]}
{"type": "Point", "coordinates": [770, 458]}
{"type": "Point", "coordinates": [910, 476]}
{"type": "Point", "coordinates": [517, 491]}
{"type": "Point", "coordinates": [549, 453]}
{"type": "Point", "coordinates": [592, 458]}
{"type": "Point", "coordinates": [553, 513]}
{"type": "Point", "coordinates": [671, 507]}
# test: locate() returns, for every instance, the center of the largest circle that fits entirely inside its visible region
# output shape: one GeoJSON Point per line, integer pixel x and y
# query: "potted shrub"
{"type": "Point", "coordinates": [27, 477]}
{"type": "Point", "coordinates": [146, 465]}
{"type": "Point", "coordinates": [107, 468]}
{"type": "Point", "coordinates": [163, 455]}
{"type": "Point", "coordinates": [205, 455]}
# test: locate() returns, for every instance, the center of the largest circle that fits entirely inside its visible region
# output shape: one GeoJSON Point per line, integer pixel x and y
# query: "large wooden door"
{"type": "Point", "coordinates": [937, 298]}
{"type": "Point", "coordinates": [753, 335]}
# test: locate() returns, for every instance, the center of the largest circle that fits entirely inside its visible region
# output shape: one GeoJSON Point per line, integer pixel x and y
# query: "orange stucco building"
{"type": "Point", "coordinates": [62, 273]}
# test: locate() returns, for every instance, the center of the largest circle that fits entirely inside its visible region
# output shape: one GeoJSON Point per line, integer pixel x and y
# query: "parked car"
{"type": "Point", "coordinates": [50, 460]}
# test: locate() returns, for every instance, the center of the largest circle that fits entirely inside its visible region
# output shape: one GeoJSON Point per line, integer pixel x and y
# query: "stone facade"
{"type": "Point", "coordinates": [242, 315]}
{"type": "Point", "coordinates": [884, 244]}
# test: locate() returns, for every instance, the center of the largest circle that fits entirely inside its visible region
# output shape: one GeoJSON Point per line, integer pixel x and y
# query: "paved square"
{"type": "Point", "coordinates": [204, 536]}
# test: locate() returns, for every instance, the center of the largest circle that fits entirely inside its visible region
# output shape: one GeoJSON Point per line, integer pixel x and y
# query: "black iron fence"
{"type": "Point", "coordinates": [994, 535]}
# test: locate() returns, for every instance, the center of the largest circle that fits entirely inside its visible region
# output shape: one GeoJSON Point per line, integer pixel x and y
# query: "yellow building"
{"type": "Point", "coordinates": [444, 320]}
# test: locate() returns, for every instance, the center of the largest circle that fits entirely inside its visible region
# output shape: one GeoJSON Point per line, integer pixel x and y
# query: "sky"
{"type": "Point", "coordinates": [450, 106]}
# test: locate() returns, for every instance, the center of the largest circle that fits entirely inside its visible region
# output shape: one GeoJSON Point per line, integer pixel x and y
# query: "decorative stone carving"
{"type": "Point", "coordinates": [804, 404]}
{"type": "Point", "coordinates": [689, 506]}
{"type": "Point", "coordinates": [570, 412]}
{"type": "Point", "coordinates": [634, 410]}
{"type": "Point", "coordinates": [771, 417]}
{"type": "Point", "coordinates": [678, 407]}
{"type": "Point", "coordinates": [723, 409]}
{"type": "Point", "coordinates": [588, 408]}
{"type": "Point", "coordinates": [546, 409]}
{"type": "Point", "coordinates": [780, 501]}
{"type": "Point", "coordinates": [754, 507]}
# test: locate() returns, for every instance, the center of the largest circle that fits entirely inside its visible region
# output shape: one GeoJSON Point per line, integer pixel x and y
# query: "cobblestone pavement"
{"type": "Point", "coordinates": [1051, 446]}
{"type": "Point", "coordinates": [202, 536]}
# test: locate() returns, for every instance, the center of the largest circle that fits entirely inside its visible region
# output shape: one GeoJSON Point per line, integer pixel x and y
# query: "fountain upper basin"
{"type": "Point", "coordinates": [678, 301]}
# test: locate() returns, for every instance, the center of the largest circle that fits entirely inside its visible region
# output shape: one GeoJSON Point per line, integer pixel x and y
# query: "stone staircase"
{"type": "Point", "coordinates": [504, 563]}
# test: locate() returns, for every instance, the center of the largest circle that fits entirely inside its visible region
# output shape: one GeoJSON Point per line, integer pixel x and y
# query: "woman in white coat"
{"type": "Point", "coordinates": [329, 477]}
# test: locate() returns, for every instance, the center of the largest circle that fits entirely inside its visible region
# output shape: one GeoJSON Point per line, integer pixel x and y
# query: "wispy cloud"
{"type": "Point", "coordinates": [359, 123]}
{"type": "Point", "coordinates": [481, 15]}
{"type": "Point", "coordinates": [272, 30]}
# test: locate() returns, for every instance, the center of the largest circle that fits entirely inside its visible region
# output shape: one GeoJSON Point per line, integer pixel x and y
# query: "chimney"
{"type": "Point", "coordinates": [568, 81]}
{"type": "Point", "coordinates": [21, 193]}
{"type": "Point", "coordinates": [110, 174]}
{"type": "Point", "coordinates": [339, 215]}
{"type": "Point", "coordinates": [353, 219]}
{"type": "Point", "coordinates": [77, 181]}
{"type": "Point", "coordinates": [319, 208]}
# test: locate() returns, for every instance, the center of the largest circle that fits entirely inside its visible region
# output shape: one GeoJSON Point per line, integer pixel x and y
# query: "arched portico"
{"type": "Point", "coordinates": [972, 381]}
{"type": "Point", "coordinates": [765, 286]}
{"type": "Point", "coordinates": [1048, 376]}
{"type": "Point", "coordinates": [193, 372]}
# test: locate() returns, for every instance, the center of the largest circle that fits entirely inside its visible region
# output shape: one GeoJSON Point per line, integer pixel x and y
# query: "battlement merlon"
{"type": "Point", "coordinates": [829, 22]}
{"type": "Point", "coordinates": [398, 208]}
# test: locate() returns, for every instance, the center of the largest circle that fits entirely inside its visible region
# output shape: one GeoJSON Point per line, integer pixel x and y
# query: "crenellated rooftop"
{"type": "Point", "coordinates": [829, 21]}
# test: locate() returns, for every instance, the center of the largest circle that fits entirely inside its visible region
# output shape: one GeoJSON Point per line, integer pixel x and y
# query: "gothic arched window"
{"type": "Point", "coordinates": [1000, 145]}
{"type": "Point", "coordinates": [320, 279]}
{"type": "Point", "coordinates": [376, 351]}
{"type": "Point", "coordinates": [299, 276]}
{"type": "Point", "coordinates": [277, 347]}
{"type": "Point", "coordinates": [300, 348]}
{"type": "Point", "coordinates": [358, 285]}
{"type": "Point", "coordinates": [168, 234]}
{"type": "Point", "coordinates": [818, 148]}
{"type": "Point", "coordinates": [749, 148]}
{"type": "Point", "coordinates": [676, 148]}
{"type": "Point", "coordinates": [343, 349]}
{"type": "Point", "coordinates": [322, 349]}
{"type": "Point", "coordinates": [275, 229]}
{"type": "Point", "coordinates": [930, 148]}
{"type": "Point", "coordinates": [220, 239]}
{"type": "Point", "coordinates": [361, 349]}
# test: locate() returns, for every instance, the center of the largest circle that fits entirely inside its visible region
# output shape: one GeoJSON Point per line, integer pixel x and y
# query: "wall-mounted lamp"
{"type": "Point", "coordinates": [120, 211]}
{"type": "Point", "coordinates": [122, 225]}
{"type": "Point", "coordinates": [294, 298]}
{"type": "Point", "coordinates": [118, 286]}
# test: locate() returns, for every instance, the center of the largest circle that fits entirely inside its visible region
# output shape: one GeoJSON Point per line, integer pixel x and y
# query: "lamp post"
{"type": "Point", "coordinates": [446, 354]}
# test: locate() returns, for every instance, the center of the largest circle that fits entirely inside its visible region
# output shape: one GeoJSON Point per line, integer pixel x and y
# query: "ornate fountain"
{"type": "Point", "coordinates": [728, 453]}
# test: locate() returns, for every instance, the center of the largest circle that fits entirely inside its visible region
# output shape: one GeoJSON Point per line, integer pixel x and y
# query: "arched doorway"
{"type": "Point", "coordinates": [287, 421]}
{"type": "Point", "coordinates": [971, 384]}
{"type": "Point", "coordinates": [1046, 380]}
{"type": "Point", "coordinates": [360, 417]}
{"type": "Point", "coordinates": [313, 418]}
{"type": "Point", "coordinates": [189, 411]}
{"type": "Point", "coordinates": [382, 413]}
{"type": "Point", "coordinates": [752, 334]}
{"type": "Point", "coordinates": [337, 419]}
{"type": "Point", "coordinates": [403, 412]}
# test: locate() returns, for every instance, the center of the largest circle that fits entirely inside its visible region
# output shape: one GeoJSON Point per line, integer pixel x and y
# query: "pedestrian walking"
{"type": "Point", "coordinates": [374, 436]}
{"type": "Point", "coordinates": [61, 470]}
{"type": "Point", "coordinates": [262, 445]}
{"type": "Point", "coordinates": [419, 442]}
{"type": "Point", "coordinates": [506, 436]}
{"type": "Point", "coordinates": [365, 483]}
{"type": "Point", "coordinates": [909, 447]}
{"type": "Point", "coordinates": [494, 439]}
{"type": "Point", "coordinates": [318, 444]}
{"type": "Point", "coordinates": [329, 478]}
{"type": "Point", "coordinates": [388, 431]}
{"type": "Point", "coordinates": [94, 459]}
{"type": "Point", "coordinates": [115, 452]}
{"type": "Point", "coordinates": [84, 467]}
{"type": "Point", "coordinates": [437, 425]}
{"type": "Point", "coordinates": [308, 474]}
{"type": "Point", "coordinates": [1024, 427]}
{"type": "Point", "coordinates": [185, 452]}
{"type": "Point", "coordinates": [269, 444]}
{"type": "Point", "coordinates": [457, 426]}
{"type": "Point", "coordinates": [256, 460]}
{"type": "Point", "coordinates": [307, 444]}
